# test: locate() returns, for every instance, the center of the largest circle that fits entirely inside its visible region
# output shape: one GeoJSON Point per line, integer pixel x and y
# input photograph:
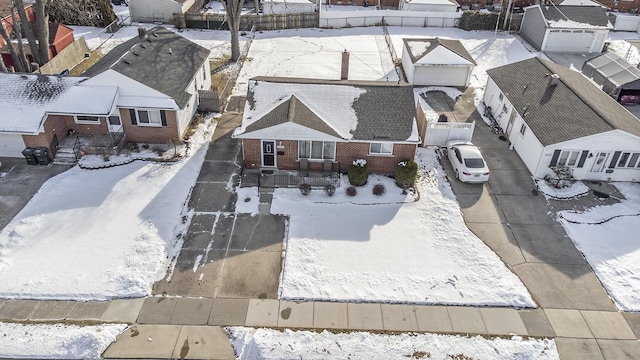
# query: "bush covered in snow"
{"type": "Point", "coordinates": [406, 173]}
{"type": "Point", "coordinates": [562, 177]}
{"type": "Point", "coordinates": [330, 189]}
{"type": "Point", "coordinates": [358, 172]}
{"type": "Point", "coordinates": [305, 189]}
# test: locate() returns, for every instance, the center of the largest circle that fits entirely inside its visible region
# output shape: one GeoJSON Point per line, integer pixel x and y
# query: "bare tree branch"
{"type": "Point", "coordinates": [42, 26]}
{"type": "Point", "coordinates": [17, 32]}
{"type": "Point", "coordinates": [28, 30]}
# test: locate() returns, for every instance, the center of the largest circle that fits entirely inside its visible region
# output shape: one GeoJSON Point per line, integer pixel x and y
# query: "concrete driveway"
{"type": "Point", "coordinates": [18, 184]}
{"type": "Point", "coordinates": [226, 255]}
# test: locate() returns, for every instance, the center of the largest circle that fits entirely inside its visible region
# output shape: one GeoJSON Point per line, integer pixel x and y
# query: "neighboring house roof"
{"type": "Point", "coordinates": [581, 3]}
{"type": "Point", "coordinates": [27, 99]}
{"type": "Point", "coordinates": [54, 28]}
{"type": "Point", "coordinates": [163, 60]}
{"type": "Point", "coordinates": [572, 109]}
{"type": "Point", "coordinates": [344, 109]}
{"type": "Point", "coordinates": [421, 48]}
{"type": "Point", "coordinates": [562, 16]}
{"type": "Point", "coordinates": [617, 71]}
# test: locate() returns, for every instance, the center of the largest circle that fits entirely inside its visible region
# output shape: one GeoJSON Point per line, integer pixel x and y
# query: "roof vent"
{"type": "Point", "coordinates": [126, 62]}
{"type": "Point", "coordinates": [170, 51]}
{"type": "Point", "coordinates": [143, 46]}
{"type": "Point", "coordinates": [136, 53]}
{"type": "Point", "coordinates": [553, 80]}
{"type": "Point", "coordinates": [154, 34]}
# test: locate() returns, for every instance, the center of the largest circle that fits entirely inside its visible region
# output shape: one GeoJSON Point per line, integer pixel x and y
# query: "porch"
{"type": "Point", "coordinates": [273, 178]}
{"type": "Point", "coordinates": [72, 147]}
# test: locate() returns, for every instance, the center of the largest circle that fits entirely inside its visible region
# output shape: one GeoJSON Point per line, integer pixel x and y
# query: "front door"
{"type": "Point", "coordinates": [268, 153]}
{"type": "Point", "coordinates": [115, 124]}
{"type": "Point", "coordinates": [600, 161]}
{"type": "Point", "coordinates": [512, 117]}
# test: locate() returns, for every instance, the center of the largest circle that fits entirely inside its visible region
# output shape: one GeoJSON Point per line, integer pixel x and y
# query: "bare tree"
{"type": "Point", "coordinates": [233, 9]}
{"type": "Point", "coordinates": [17, 32]}
{"type": "Point", "coordinates": [27, 26]}
{"type": "Point", "coordinates": [42, 26]}
{"type": "Point", "coordinates": [3, 67]}
{"type": "Point", "coordinates": [14, 55]}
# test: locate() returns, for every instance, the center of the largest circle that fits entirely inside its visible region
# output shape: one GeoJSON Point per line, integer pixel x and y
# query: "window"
{"type": "Point", "coordinates": [523, 129]}
{"type": "Point", "coordinates": [317, 150]}
{"type": "Point", "coordinates": [568, 158]}
{"type": "Point", "coordinates": [82, 119]}
{"type": "Point", "coordinates": [148, 117]}
{"type": "Point", "coordinates": [500, 97]}
{"type": "Point", "coordinates": [204, 72]}
{"type": "Point", "coordinates": [381, 148]}
{"type": "Point", "coordinates": [629, 160]}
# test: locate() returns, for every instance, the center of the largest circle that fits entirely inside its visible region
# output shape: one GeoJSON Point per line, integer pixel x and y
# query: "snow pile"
{"type": "Point", "coordinates": [248, 200]}
{"type": "Point", "coordinates": [100, 234]}
{"type": "Point", "coordinates": [44, 341]}
{"type": "Point", "coordinates": [576, 189]}
{"type": "Point", "coordinates": [607, 236]}
{"type": "Point", "coordinates": [273, 344]}
{"type": "Point", "coordinates": [390, 248]}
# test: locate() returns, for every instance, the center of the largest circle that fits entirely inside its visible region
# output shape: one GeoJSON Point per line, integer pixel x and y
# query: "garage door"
{"type": "Point", "coordinates": [569, 41]}
{"type": "Point", "coordinates": [441, 75]}
{"type": "Point", "coordinates": [11, 145]}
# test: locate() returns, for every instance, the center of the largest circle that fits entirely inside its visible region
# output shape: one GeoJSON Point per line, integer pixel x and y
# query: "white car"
{"type": "Point", "coordinates": [467, 162]}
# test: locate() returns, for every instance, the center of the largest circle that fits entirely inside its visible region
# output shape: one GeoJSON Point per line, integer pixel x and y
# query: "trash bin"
{"type": "Point", "coordinates": [28, 155]}
{"type": "Point", "coordinates": [42, 154]}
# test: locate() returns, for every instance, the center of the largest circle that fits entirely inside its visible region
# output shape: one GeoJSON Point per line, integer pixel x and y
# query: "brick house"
{"type": "Point", "coordinates": [144, 90]}
{"type": "Point", "coordinates": [288, 119]}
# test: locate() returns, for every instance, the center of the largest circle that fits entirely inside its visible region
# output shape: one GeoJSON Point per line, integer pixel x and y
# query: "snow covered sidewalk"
{"type": "Point", "coordinates": [389, 248]}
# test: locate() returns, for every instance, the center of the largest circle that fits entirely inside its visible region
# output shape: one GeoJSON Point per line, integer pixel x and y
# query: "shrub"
{"type": "Point", "coordinates": [562, 177]}
{"type": "Point", "coordinates": [406, 173]}
{"type": "Point", "coordinates": [378, 189]}
{"type": "Point", "coordinates": [351, 191]}
{"type": "Point", "coordinates": [330, 189]}
{"type": "Point", "coordinates": [305, 189]}
{"type": "Point", "coordinates": [476, 20]}
{"type": "Point", "coordinates": [358, 172]}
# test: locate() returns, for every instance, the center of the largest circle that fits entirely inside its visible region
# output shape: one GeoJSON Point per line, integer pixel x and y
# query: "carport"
{"type": "Point", "coordinates": [616, 76]}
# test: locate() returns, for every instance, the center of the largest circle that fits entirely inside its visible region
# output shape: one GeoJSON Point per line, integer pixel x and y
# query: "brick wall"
{"type": "Point", "coordinates": [345, 154]}
{"type": "Point", "coordinates": [58, 126]}
{"type": "Point", "coordinates": [150, 134]}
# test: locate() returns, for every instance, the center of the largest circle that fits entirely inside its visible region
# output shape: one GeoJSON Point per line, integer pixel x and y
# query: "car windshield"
{"type": "Point", "coordinates": [474, 163]}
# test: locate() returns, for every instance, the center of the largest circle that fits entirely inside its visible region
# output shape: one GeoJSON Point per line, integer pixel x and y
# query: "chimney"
{"type": "Point", "coordinates": [344, 71]}
{"type": "Point", "coordinates": [553, 80]}
{"type": "Point", "coordinates": [142, 32]}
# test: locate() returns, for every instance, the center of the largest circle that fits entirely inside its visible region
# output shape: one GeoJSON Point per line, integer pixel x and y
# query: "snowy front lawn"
{"type": "Point", "coordinates": [47, 341]}
{"type": "Point", "coordinates": [273, 344]}
{"type": "Point", "coordinates": [389, 248]}
{"type": "Point", "coordinates": [99, 234]}
{"type": "Point", "coordinates": [608, 238]}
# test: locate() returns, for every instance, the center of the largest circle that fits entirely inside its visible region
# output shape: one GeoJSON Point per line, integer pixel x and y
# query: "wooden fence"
{"type": "Point", "coordinates": [247, 21]}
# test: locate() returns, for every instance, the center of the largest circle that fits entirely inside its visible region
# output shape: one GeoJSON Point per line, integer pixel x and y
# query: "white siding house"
{"type": "Point", "coordinates": [437, 62]}
{"type": "Point", "coordinates": [554, 116]}
{"type": "Point", "coordinates": [562, 28]}
{"type": "Point", "coordinates": [428, 5]}
{"type": "Point", "coordinates": [157, 10]}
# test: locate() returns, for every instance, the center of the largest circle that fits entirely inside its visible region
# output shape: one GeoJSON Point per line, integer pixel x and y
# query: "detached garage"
{"type": "Point", "coordinates": [436, 62]}
{"type": "Point", "coordinates": [566, 29]}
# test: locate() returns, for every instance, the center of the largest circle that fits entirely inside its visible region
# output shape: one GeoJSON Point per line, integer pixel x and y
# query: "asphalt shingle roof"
{"type": "Point", "coordinates": [592, 15]}
{"type": "Point", "coordinates": [163, 60]}
{"type": "Point", "coordinates": [572, 109]}
{"type": "Point", "coordinates": [385, 111]}
{"type": "Point", "coordinates": [453, 45]}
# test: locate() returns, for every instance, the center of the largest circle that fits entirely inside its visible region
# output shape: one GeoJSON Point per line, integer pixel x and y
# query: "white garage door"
{"type": "Point", "coordinates": [441, 75]}
{"type": "Point", "coordinates": [11, 145]}
{"type": "Point", "coordinates": [573, 41]}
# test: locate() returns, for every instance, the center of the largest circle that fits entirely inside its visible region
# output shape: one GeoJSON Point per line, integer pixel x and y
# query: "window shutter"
{"type": "Point", "coordinates": [554, 158]}
{"type": "Point", "coordinates": [132, 114]}
{"type": "Point", "coordinates": [163, 118]}
{"type": "Point", "coordinates": [614, 159]}
{"type": "Point", "coordinates": [583, 157]}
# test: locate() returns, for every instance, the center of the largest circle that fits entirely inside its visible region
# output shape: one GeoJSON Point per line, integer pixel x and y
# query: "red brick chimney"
{"type": "Point", "coordinates": [344, 71]}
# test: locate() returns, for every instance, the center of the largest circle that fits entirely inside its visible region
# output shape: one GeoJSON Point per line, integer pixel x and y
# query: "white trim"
{"type": "Point", "coordinates": [381, 153]}
{"type": "Point", "coordinates": [88, 122]}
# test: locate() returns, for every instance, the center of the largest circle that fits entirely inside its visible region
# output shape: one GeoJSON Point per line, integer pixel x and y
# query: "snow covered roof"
{"type": "Point", "coordinates": [25, 100]}
{"type": "Point", "coordinates": [162, 60]}
{"type": "Point", "coordinates": [342, 109]}
{"type": "Point", "coordinates": [571, 17]}
{"type": "Point", "coordinates": [581, 3]}
{"type": "Point", "coordinates": [572, 109]}
{"type": "Point", "coordinates": [432, 2]}
{"type": "Point", "coordinates": [420, 49]}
